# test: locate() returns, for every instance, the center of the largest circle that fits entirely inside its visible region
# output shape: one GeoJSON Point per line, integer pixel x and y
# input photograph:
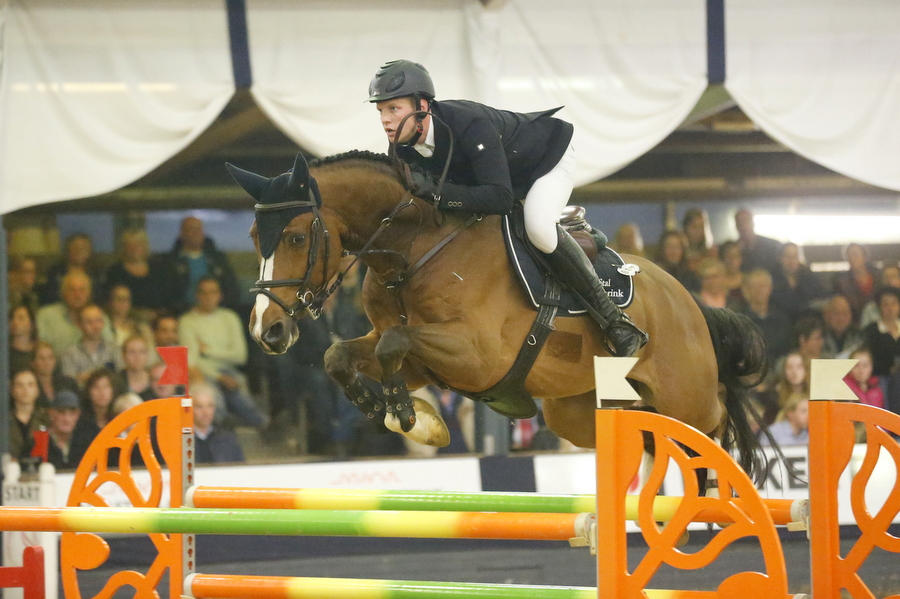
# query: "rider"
{"type": "Point", "coordinates": [498, 157]}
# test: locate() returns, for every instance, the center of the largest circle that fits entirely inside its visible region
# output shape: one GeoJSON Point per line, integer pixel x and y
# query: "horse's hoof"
{"type": "Point", "coordinates": [429, 429]}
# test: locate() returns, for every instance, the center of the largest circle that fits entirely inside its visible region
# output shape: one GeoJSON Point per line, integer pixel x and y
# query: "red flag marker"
{"type": "Point", "coordinates": [176, 372]}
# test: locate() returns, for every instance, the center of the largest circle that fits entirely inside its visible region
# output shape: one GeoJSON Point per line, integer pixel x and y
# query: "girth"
{"type": "Point", "coordinates": [508, 396]}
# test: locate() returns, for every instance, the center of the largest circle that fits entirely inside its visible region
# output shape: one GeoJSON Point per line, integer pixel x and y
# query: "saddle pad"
{"type": "Point", "coordinates": [619, 287]}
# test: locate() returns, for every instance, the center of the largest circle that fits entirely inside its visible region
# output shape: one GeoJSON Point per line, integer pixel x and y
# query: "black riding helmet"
{"type": "Point", "coordinates": [399, 78]}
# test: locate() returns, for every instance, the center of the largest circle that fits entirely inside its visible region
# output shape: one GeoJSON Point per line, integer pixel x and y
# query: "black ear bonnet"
{"type": "Point", "coordinates": [279, 200]}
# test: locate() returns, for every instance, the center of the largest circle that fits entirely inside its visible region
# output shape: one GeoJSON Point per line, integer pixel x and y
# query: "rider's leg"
{"type": "Point", "coordinates": [543, 205]}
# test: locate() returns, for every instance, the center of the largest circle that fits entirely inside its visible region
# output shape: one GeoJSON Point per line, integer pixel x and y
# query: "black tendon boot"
{"type": "Point", "coordinates": [572, 268]}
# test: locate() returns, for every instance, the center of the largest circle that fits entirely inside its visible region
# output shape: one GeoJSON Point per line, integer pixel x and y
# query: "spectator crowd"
{"type": "Point", "coordinates": [82, 348]}
{"type": "Point", "coordinates": [82, 339]}
{"type": "Point", "coordinates": [803, 315]}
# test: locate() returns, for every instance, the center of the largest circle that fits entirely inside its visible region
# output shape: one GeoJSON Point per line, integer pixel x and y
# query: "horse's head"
{"type": "Point", "coordinates": [297, 254]}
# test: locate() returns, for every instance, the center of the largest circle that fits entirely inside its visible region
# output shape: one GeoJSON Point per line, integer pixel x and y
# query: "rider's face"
{"type": "Point", "coordinates": [391, 113]}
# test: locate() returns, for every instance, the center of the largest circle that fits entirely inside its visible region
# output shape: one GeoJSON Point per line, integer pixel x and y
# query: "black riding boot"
{"type": "Point", "coordinates": [573, 269]}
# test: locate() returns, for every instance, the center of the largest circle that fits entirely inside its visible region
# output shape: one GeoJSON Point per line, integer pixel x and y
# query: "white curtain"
{"type": "Point", "coordinates": [627, 72]}
{"type": "Point", "coordinates": [312, 62]}
{"type": "Point", "coordinates": [823, 78]}
{"type": "Point", "coordinates": [95, 94]}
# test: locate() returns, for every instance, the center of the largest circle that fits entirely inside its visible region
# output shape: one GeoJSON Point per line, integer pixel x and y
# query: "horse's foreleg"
{"type": "Point", "coordinates": [392, 348]}
{"type": "Point", "coordinates": [405, 414]}
{"type": "Point", "coordinates": [343, 360]}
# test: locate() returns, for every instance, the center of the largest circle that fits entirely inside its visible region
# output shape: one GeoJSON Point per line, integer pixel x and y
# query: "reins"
{"type": "Point", "coordinates": [312, 302]}
{"type": "Point", "coordinates": [437, 216]}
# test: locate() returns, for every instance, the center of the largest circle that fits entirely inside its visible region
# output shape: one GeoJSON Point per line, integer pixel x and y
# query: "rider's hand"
{"type": "Point", "coordinates": [422, 186]}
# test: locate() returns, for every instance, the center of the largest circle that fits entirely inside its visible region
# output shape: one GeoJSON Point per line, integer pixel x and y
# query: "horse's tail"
{"type": "Point", "coordinates": [741, 357]}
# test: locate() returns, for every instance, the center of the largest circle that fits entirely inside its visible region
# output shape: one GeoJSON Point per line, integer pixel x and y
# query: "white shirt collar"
{"type": "Point", "coordinates": [426, 148]}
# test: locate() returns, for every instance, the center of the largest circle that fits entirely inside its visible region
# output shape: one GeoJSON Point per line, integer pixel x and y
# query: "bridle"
{"type": "Point", "coordinates": [307, 300]}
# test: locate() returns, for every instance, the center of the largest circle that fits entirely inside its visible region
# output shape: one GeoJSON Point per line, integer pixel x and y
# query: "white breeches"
{"type": "Point", "coordinates": [545, 201]}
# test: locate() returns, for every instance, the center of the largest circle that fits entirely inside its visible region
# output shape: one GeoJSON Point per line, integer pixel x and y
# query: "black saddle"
{"type": "Point", "coordinates": [529, 266]}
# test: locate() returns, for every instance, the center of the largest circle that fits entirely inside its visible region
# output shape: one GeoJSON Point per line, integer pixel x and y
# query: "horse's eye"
{"type": "Point", "coordinates": [296, 239]}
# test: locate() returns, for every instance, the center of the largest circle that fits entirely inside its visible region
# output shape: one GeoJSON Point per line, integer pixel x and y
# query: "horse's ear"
{"type": "Point", "coordinates": [299, 174]}
{"type": "Point", "coordinates": [252, 183]}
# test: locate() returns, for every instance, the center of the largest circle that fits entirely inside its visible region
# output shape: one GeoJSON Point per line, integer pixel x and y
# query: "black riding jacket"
{"type": "Point", "coordinates": [497, 155]}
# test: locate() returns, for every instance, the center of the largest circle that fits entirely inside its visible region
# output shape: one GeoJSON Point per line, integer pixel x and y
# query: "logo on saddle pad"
{"type": "Point", "coordinates": [629, 270]}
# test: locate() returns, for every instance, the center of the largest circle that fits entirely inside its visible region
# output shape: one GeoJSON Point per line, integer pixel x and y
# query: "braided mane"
{"type": "Point", "coordinates": [373, 159]}
{"type": "Point", "coordinates": [363, 155]}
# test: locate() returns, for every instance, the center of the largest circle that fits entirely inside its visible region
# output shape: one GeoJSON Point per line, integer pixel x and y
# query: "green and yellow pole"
{"type": "Point", "coordinates": [409, 524]}
{"type": "Point", "coordinates": [365, 499]}
{"type": "Point", "coordinates": [207, 586]}
{"type": "Point", "coordinates": [784, 511]}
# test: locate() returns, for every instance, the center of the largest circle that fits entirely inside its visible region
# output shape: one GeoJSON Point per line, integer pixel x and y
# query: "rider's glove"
{"type": "Point", "coordinates": [423, 186]}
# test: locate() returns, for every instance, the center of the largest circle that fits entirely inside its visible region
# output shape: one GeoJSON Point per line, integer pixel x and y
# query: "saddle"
{"type": "Point", "coordinates": [529, 263]}
{"type": "Point", "coordinates": [509, 396]}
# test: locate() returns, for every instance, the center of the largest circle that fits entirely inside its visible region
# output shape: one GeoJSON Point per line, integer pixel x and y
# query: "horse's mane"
{"type": "Point", "coordinates": [373, 159]}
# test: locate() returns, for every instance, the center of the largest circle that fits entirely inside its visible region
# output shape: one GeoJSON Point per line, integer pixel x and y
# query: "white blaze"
{"type": "Point", "coordinates": [266, 267]}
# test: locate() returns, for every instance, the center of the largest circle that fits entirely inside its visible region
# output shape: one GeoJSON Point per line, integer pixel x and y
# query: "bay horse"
{"type": "Point", "coordinates": [458, 316]}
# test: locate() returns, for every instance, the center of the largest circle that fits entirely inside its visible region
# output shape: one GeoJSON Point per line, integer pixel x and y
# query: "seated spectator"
{"type": "Point", "coordinates": [50, 379]}
{"type": "Point", "coordinates": [92, 351]}
{"type": "Point", "coordinates": [135, 374]}
{"type": "Point", "coordinates": [120, 404]}
{"type": "Point", "coordinates": [792, 378]}
{"type": "Point", "coordinates": [22, 283]}
{"type": "Point", "coordinates": [698, 234]}
{"type": "Point", "coordinates": [857, 283]}
{"type": "Point", "coordinates": [628, 240]}
{"type": "Point", "coordinates": [96, 405]}
{"type": "Point", "coordinates": [58, 324]}
{"type": "Point", "coordinates": [773, 323]}
{"type": "Point", "coordinates": [298, 376]}
{"type": "Point", "coordinates": [217, 347]}
{"type": "Point", "coordinates": [730, 255]}
{"type": "Point", "coordinates": [890, 277]}
{"type": "Point", "coordinates": [165, 334]}
{"type": "Point", "coordinates": [193, 258]}
{"type": "Point", "coordinates": [756, 251]}
{"type": "Point", "coordinates": [212, 445]}
{"type": "Point", "coordinates": [840, 336]}
{"type": "Point", "coordinates": [795, 287]}
{"type": "Point", "coordinates": [866, 386]}
{"type": "Point", "coordinates": [26, 416]}
{"type": "Point", "coordinates": [78, 259]}
{"type": "Point", "coordinates": [124, 321]}
{"type": "Point", "coordinates": [883, 336]}
{"type": "Point", "coordinates": [165, 331]}
{"type": "Point", "coordinates": [22, 339]}
{"type": "Point", "coordinates": [671, 257]}
{"type": "Point", "coordinates": [809, 337]}
{"type": "Point", "coordinates": [146, 278]}
{"type": "Point", "coordinates": [124, 402]}
{"type": "Point", "coordinates": [63, 413]}
{"type": "Point", "coordinates": [712, 292]}
{"type": "Point", "coordinates": [792, 424]}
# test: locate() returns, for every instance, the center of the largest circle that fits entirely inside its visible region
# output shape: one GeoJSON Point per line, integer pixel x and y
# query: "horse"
{"type": "Point", "coordinates": [446, 310]}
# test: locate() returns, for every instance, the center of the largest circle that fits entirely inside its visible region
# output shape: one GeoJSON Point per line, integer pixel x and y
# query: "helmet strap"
{"type": "Point", "coordinates": [420, 121]}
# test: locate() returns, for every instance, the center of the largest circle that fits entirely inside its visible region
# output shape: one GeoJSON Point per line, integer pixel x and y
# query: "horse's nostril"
{"type": "Point", "coordinates": [274, 333]}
